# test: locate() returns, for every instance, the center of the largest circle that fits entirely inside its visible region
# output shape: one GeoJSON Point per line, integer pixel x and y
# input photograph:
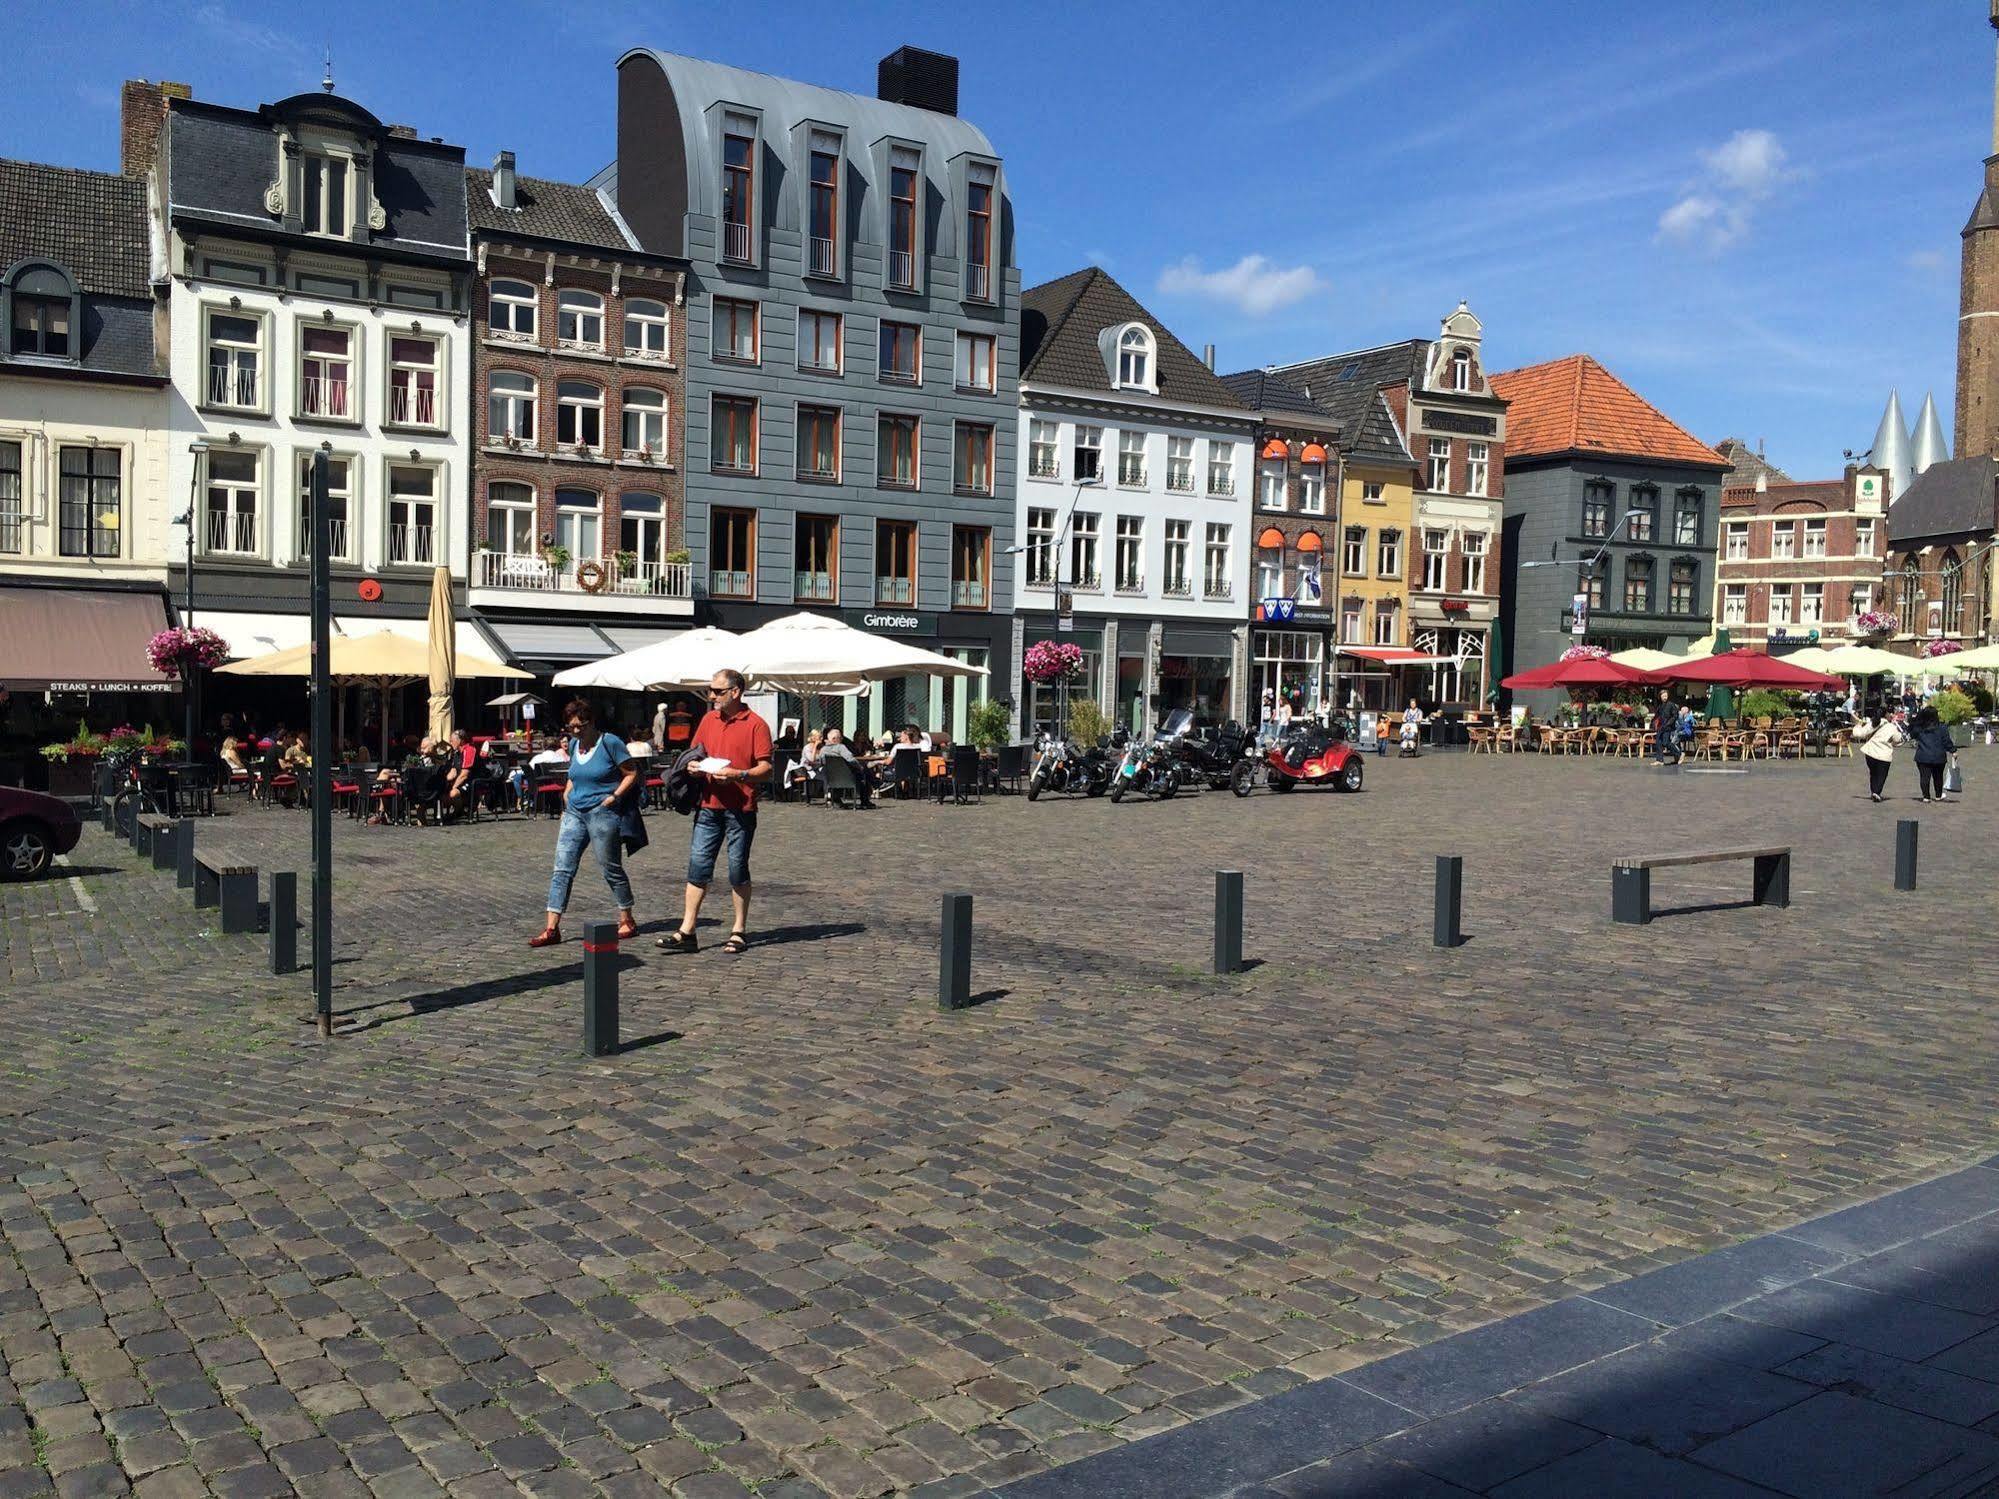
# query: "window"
{"type": "Point", "coordinates": [339, 506]}
{"type": "Point", "coordinates": [1863, 538]}
{"type": "Point", "coordinates": [579, 319]}
{"type": "Point", "coordinates": [1735, 541]}
{"type": "Point", "coordinates": [510, 407]}
{"type": "Point", "coordinates": [1040, 548]}
{"type": "Point", "coordinates": [822, 257]}
{"type": "Point", "coordinates": [510, 520]}
{"type": "Point", "coordinates": [902, 179]}
{"type": "Point", "coordinates": [1131, 459]}
{"type": "Point", "coordinates": [1083, 551]}
{"type": "Point", "coordinates": [1784, 540]}
{"type": "Point", "coordinates": [1353, 552]}
{"type": "Point", "coordinates": [1687, 518]}
{"type": "Point", "coordinates": [579, 524]}
{"type": "Point", "coordinates": [1950, 586]}
{"type": "Point", "coordinates": [326, 371]}
{"type": "Point", "coordinates": [1350, 622]}
{"type": "Point", "coordinates": [1644, 514]}
{"type": "Point", "coordinates": [1175, 578]}
{"type": "Point", "coordinates": [235, 361]}
{"type": "Point", "coordinates": [819, 443]}
{"type": "Point", "coordinates": [1436, 559]}
{"type": "Point", "coordinates": [975, 361]}
{"type": "Point", "coordinates": [896, 439]}
{"type": "Point", "coordinates": [1312, 488]}
{"type": "Point", "coordinates": [732, 435]}
{"type": "Point", "coordinates": [579, 415]}
{"type": "Point", "coordinates": [1043, 442]}
{"type": "Point", "coordinates": [972, 471]}
{"type": "Point", "coordinates": [1911, 589]}
{"type": "Point", "coordinates": [1860, 599]}
{"type": "Point", "coordinates": [92, 482]}
{"type": "Point", "coordinates": [1089, 455]}
{"type": "Point", "coordinates": [1180, 465]}
{"type": "Point", "coordinates": [323, 205]}
{"type": "Point", "coordinates": [979, 234]}
{"type": "Point", "coordinates": [413, 517]}
{"type": "Point", "coordinates": [1384, 622]}
{"type": "Point", "coordinates": [1814, 538]}
{"type": "Point", "coordinates": [1128, 560]}
{"type": "Point", "coordinates": [1270, 491]}
{"type": "Point", "coordinates": [41, 325]}
{"type": "Point", "coordinates": [1780, 604]}
{"type": "Point", "coordinates": [1734, 603]}
{"type": "Point", "coordinates": [738, 189]}
{"type": "Point", "coordinates": [413, 382]}
{"type": "Point", "coordinates": [1680, 586]}
{"type": "Point", "coordinates": [510, 310]}
{"type": "Point", "coordinates": [230, 503]}
{"type": "Point", "coordinates": [1388, 555]}
{"type": "Point", "coordinates": [1811, 605]}
{"type": "Point", "coordinates": [642, 532]}
{"type": "Point", "coordinates": [1310, 588]}
{"type": "Point", "coordinates": [895, 562]}
{"type": "Point", "coordinates": [815, 562]}
{"type": "Point", "coordinates": [645, 422]}
{"type": "Point", "coordinates": [1134, 359]}
{"type": "Point", "coordinates": [731, 547]}
{"type": "Point", "coordinates": [1478, 467]}
{"type": "Point", "coordinates": [1221, 469]}
{"type": "Point", "coordinates": [1372, 493]}
{"type": "Point", "coordinates": [648, 329]}
{"type": "Point", "coordinates": [819, 341]}
{"type": "Point", "coordinates": [1440, 464]}
{"type": "Point", "coordinates": [1270, 564]}
{"type": "Point", "coordinates": [1596, 510]}
{"type": "Point", "coordinates": [971, 564]}
{"type": "Point", "coordinates": [11, 515]}
{"type": "Point", "coordinates": [1596, 583]}
{"type": "Point", "coordinates": [1472, 543]}
{"type": "Point", "coordinates": [901, 353]}
{"type": "Point", "coordinates": [735, 330]}
{"type": "Point", "coordinates": [1461, 369]}
{"type": "Point", "coordinates": [1215, 562]}
{"type": "Point", "coordinates": [1638, 585]}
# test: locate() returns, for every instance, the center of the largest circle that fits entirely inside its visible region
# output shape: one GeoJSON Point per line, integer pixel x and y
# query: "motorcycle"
{"type": "Point", "coordinates": [1310, 753]}
{"type": "Point", "coordinates": [1224, 758]}
{"type": "Point", "coordinates": [1148, 767]}
{"type": "Point", "coordinates": [1060, 766]}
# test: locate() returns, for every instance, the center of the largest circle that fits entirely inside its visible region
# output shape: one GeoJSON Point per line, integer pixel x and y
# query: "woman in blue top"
{"type": "Point", "coordinates": [601, 778]}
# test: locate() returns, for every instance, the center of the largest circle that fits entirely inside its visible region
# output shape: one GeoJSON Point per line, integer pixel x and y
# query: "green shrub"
{"type": "Point", "coordinates": [988, 724]}
{"type": "Point", "coordinates": [1980, 695]}
{"type": "Point", "coordinates": [1954, 705]}
{"type": "Point", "coordinates": [1088, 724]}
{"type": "Point", "coordinates": [1760, 702]}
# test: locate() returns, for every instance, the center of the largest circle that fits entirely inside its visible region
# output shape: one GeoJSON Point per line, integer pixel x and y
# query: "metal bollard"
{"type": "Point", "coordinates": [107, 816]}
{"type": "Point", "coordinates": [1448, 930]}
{"type": "Point", "coordinates": [1905, 853]}
{"type": "Point", "coordinates": [284, 921]}
{"type": "Point", "coordinates": [184, 858]}
{"type": "Point", "coordinates": [166, 844]}
{"type": "Point", "coordinates": [600, 988]}
{"type": "Point", "coordinates": [1228, 921]}
{"type": "Point", "coordinates": [954, 963]}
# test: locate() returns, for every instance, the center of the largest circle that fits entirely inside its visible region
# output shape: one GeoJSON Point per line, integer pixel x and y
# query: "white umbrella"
{"type": "Point", "coordinates": [687, 658]}
{"type": "Point", "coordinates": [814, 653]}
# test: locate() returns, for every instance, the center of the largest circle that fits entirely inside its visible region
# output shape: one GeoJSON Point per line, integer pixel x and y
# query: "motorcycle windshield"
{"type": "Point", "coordinates": [1176, 723]}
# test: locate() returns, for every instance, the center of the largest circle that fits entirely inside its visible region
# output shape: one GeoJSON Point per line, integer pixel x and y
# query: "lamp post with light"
{"type": "Point", "coordinates": [198, 451]}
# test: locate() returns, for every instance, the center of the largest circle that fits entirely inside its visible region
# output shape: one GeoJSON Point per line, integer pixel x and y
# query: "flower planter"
{"type": "Point", "coordinates": [73, 775]}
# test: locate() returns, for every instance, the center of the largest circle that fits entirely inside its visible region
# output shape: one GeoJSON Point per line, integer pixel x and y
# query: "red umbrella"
{"type": "Point", "coordinates": [1747, 668]}
{"type": "Point", "coordinates": [1583, 671]}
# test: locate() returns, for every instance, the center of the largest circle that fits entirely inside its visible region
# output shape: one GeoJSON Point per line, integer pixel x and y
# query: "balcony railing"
{"type": "Point", "coordinates": [531, 574]}
{"type": "Point", "coordinates": [967, 595]}
{"type": "Point", "coordinates": [235, 532]}
{"type": "Point", "coordinates": [1222, 488]}
{"type": "Point", "coordinates": [895, 590]}
{"type": "Point", "coordinates": [979, 281]}
{"type": "Point", "coordinates": [1216, 588]}
{"type": "Point", "coordinates": [1048, 467]}
{"type": "Point", "coordinates": [1131, 583]}
{"type": "Point", "coordinates": [818, 588]}
{"type": "Point", "coordinates": [10, 530]}
{"type": "Point", "coordinates": [1179, 588]}
{"type": "Point", "coordinates": [1131, 472]}
{"type": "Point", "coordinates": [232, 386]}
{"type": "Point", "coordinates": [902, 269]}
{"type": "Point", "coordinates": [1088, 578]}
{"type": "Point", "coordinates": [729, 583]}
{"type": "Point", "coordinates": [1179, 483]}
{"type": "Point", "coordinates": [736, 243]}
{"type": "Point", "coordinates": [820, 260]}
{"type": "Point", "coordinates": [320, 396]}
{"type": "Point", "coordinates": [410, 544]}
{"type": "Point", "coordinates": [412, 408]}
{"type": "Point", "coordinates": [338, 528]}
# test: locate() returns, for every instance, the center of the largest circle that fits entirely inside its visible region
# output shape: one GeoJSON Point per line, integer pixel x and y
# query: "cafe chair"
{"type": "Point", "coordinates": [840, 782]}
{"type": "Point", "coordinates": [961, 775]}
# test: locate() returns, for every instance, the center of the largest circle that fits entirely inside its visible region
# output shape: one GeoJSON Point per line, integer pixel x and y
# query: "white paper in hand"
{"type": "Point", "coordinates": [709, 766]}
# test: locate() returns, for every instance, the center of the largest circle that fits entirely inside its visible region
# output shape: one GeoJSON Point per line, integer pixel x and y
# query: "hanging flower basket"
{"type": "Point", "coordinates": [184, 652]}
{"type": "Point", "coordinates": [1876, 622]}
{"type": "Point", "coordinates": [1050, 661]}
{"type": "Point", "coordinates": [1935, 648]}
{"type": "Point", "coordinates": [1586, 653]}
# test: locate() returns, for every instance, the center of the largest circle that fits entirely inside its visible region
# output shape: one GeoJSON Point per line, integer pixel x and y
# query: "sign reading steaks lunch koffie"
{"type": "Point", "coordinates": [889, 620]}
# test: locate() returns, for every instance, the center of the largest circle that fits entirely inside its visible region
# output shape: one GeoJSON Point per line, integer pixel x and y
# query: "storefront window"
{"type": "Point", "coordinates": [1290, 665]}
{"type": "Point", "coordinates": [1039, 700]}
{"type": "Point", "coordinates": [1197, 683]}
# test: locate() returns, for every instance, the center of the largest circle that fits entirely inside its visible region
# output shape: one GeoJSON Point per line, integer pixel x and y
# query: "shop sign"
{"type": "Point", "coordinates": [113, 687]}
{"type": "Point", "coordinates": [1277, 611]}
{"type": "Point", "coordinates": [1456, 606]}
{"type": "Point", "coordinates": [892, 621]}
{"type": "Point", "coordinates": [1579, 615]}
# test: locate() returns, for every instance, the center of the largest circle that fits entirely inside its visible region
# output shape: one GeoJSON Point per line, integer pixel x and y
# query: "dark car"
{"type": "Point", "coordinates": [34, 829]}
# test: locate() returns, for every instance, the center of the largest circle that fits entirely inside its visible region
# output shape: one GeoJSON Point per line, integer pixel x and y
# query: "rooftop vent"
{"type": "Point", "coordinates": [927, 80]}
{"type": "Point", "coordinates": [504, 192]}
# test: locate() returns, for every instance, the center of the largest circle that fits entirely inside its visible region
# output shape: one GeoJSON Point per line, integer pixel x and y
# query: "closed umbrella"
{"type": "Point", "coordinates": [687, 658]}
{"type": "Point", "coordinates": [443, 653]}
{"type": "Point", "coordinates": [1495, 661]}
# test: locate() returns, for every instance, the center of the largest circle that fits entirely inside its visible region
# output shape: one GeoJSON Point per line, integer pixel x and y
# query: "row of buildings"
{"type": "Point", "coordinates": [776, 355]}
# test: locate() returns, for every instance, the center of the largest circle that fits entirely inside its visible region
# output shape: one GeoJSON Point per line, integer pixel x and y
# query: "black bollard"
{"type": "Point", "coordinates": [954, 962]}
{"type": "Point", "coordinates": [166, 844]}
{"type": "Point", "coordinates": [1905, 853]}
{"type": "Point", "coordinates": [1448, 930]}
{"type": "Point", "coordinates": [184, 857]}
{"type": "Point", "coordinates": [1228, 921]}
{"type": "Point", "coordinates": [600, 988]}
{"type": "Point", "coordinates": [107, 815]}
{"type": "Point", "coordinates": [284, 921]}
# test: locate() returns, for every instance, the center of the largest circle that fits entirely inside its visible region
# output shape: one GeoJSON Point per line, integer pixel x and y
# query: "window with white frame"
{"type": "Point", "coordinates": [1312, 488]}
{"type": "Point", "coordinates": [1814, 538]}
{"type": "Point", "coordinates": [1384, 622]}
{"type": "Point", "coordinates": [579, 524]}
{"type": "Point", "coordinates": [1221, 468]}
{"type": "Point", "coordinates": [1859, 599]}
{"type": "Point", "coordinates": [1271, 493]}
{"type": "Point", "coordinates": [1310, 589]}
{"type": "Point", "coordinates": [1440, 464]}
{"type": "Point", "coordinates": [1129, 559]}
{"type": "Point", "coordinates": [1088, 455]}
{"type": "Point", "coordinates": [13, 517]}
{"type": "Point", "coordinates": [1040, 548]}
{"type": "Point", "coordinates": [339, 506]}
{"type": "Point", "coordinates": [510, 520]}
{"type": "Point", "coordinates": [229, 503]}
{"type": "Point", "coordinates": [579, 319]}
{"type": "Point", "coordinates": [1735, 541]}
{"type": "Point", "coordinates": [819, 341]}
{"type": "Point", "coordinates": [90, 494]}
{"type": "Point", "coordinates": [323, 206]}
{"type": "Point", "coordinates": [511, 308]}
{"type": "Point", "coordinates": [642, 532]}
{"type": "Point", "coordinates": [1215, 562]}
{"type": "Point", "coordinates": [413, 515]}
{"type": "Point", "coordinates": [1687, 518]}
{"type": "Point", "coordinates": [235, 361]}
{"type": "Point", "coordinates": [1478, 468]}
{"type": "Point", "coordinates": [645, 422]}
{"type": "Point", "coordinates": [413, 381]}
{"type": "Point", "coordinates": [648, 329]}
{"type": "Point", "coordinates": [1780, 604]}
{"type": "Point", "coordinates": [1134, 358]}
{"type": "Point", "coordinates": [1388, 555]}
{"type": "Point", "coordinates": [1784, 540]}
{"type": "Point", "coordinates": [1436, 558]}
{"type": "Point", "coordinates": [1174, 576]}
{"type": "Point", "coordinates": [1270, 565]}
{"type": "Point", "coordinates": [1350, 615]}
{"type": "Point", "coordinates": [1373, 493]}
{"type": "Point", "coordinates": [1131, 459]}
{"type": "Point", "coordinates": [511, 402]}
{"type": "Point", "coordinates": [1863, 538]}
{"type": "Point", "coordinates": [1083, 533]}
{"type": "Point", "coordinates": [579, 415]}
{"type": "Point", "coordinates": [977, 360]}
{"type": "Point", "coordinates": [1461, 369]}
{"type": "Point", "coordinates": [1473, 545]}
{"type": "Point", "coordinates": [1811, 605]}
{"type": "Point", "coordinates": [1180, 465]}
{"type": "Point", "coordinates": [1353, 552]}
{"type": "Point", "coordinates": [1043, 448]}
{"type": "Point", "coordinates": [1734, 603]}
{"type": "Point", "coordinates": [326, 373]}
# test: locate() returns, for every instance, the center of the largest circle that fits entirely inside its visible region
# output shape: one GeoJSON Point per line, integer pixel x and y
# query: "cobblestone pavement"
{"type": "Point", "coordinates": [808, 1235]}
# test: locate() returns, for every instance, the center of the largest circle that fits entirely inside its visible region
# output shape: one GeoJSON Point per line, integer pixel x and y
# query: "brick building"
{"type": "Point", "coordinates": [1939, 578]}
{"type": "Point", "coordinates": [578, 473]}
{"type": "Point", "coordinates": [1800, 560]}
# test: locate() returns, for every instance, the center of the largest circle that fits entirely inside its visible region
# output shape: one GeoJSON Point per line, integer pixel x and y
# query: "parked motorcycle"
{"type": "Point", "coordinates": [1059, 765]}
{"type": "Point", "coordinates": [1146, 766]}
{"type": "Point", "coordinates": [1222, 758]}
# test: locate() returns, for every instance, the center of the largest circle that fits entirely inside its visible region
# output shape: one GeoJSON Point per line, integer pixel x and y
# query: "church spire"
{"type": "Point", "coordinates": [1976, 428]}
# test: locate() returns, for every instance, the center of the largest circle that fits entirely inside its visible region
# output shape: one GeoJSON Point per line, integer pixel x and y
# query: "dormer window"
{"type": "Point", "coordinates": [902, 207]}
{"type": "Point", "coordinates": [823, 247]}
{"type": "Point", "coordinates": [738, 189]}
{"type": "Point", "coordinates": [1461, 369]}
{"type": "Point", "coordinates": [45, 313]}
{"type": "Point", "coordinates": [1134, 358]}
{"type": "Point", "coordinates": [323, 206]}
{"type": "Point", "coordinates": [979, 234]}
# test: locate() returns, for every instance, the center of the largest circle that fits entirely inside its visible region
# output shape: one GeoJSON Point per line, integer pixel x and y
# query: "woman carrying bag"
{"type": "Point", "coordinates": [1877, 743]}
{"type": "Point", "coordinates": [600, 790]}
{"type": "Point", "coordinates": [1934, 752]}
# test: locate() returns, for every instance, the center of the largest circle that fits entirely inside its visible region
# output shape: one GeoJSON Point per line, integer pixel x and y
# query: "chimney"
{"type": "Point", "coordinates": [927, 80]}
{"type": "Point", "coordinates": [1762, 481]}
{"type": "Point", "coordinates": [503, 180]}
{"type": "Point", "coordinates": [1208, 356]}
{"type": "Point", "coordinates": [403, 132]}
{"type": "Point", "coordinates": [142, 112]}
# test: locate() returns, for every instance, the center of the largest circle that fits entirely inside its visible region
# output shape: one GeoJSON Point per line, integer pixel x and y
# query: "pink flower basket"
{"type": "Point", "coordinates": [183, 652]}
{"type": "Point", "coordinates": [1051, 661]}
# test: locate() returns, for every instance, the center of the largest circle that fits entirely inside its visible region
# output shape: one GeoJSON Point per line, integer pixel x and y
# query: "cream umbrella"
{"type": "Point", "coordinates": [1980, 658]}
{"type": "Point", "coordinates": [687, 658]}
{"type": "Point", "coordinates": [1644, 658]}
{"type": "Point", "coordinates": [443, 647]}
{"type": "Point", "coordinates": [812, 653]}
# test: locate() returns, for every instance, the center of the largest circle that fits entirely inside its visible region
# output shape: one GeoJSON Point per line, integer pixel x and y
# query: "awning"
{"type": "Point", "coordinates": [80, 640]}
{"type": "Point", "coordinates": [1276, 448]}
{"type": "Point", "coordinates": [1394, 655]}
{"type": "Point", "coordinates": [525, 640]}
{"type": "Point", "coordinates": [634, 637]}
{"type": "Point", "coordinates": [1180, 640]}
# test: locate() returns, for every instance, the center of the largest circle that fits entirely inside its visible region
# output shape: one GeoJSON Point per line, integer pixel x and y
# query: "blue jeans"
{"type": "Point", "coordinates": [709, 825]}
{"type": "Point", "coordinates": [599, 828]}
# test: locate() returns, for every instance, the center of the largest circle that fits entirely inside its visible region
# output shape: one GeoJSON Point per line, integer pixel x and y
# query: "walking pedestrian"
{"type": "Point", "coordinates": [1934, 747]}
{"type": "Point", "coordinates": [731, 732]}
{"type": "Point", "coordinates": [1877, 748]}
{"type": "Point", "coordinates": [602, 781]}
{"type": "Point", "coordinates": [1666, 730]}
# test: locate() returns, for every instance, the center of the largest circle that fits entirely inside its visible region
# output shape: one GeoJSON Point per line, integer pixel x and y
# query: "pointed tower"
{"type": "Point", "coordinates": [1891, 451]}
{"type": "Point", "coordinates": [1930, 446]}
{"type": "Point", "coordinates": [1977, 424]}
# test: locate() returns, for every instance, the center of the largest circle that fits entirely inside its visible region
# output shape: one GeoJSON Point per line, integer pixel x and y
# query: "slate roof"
{"type": "Point", "coordinates": [1348, 386]}
{"type": "Point", "coordinates": [559, 211]}
{"type": "Point", "coordinates": [1947, 499]}
{"type": "Point", "coordinates": [1059, 324]}
{"type": "Point", "coordinates": [1575, 405]}
{"type": "Point", "coordinates": [92, 224]}
{"type": "Point", "coordinates": [1271, 393]}
{"type": "Point", "coordinates": [1744, 464]}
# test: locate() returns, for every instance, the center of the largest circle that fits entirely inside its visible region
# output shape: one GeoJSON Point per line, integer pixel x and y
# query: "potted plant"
{"type": "Point", "coordinates": [556, 556]}
{"type": "Point", "coordinates": [1876, 622]}
{"type": "Point", "coordinates": [987, 724]}
{"type": "Point", "coordinates": [628, 563]}
{"type": "Point", "coordinates": [73, 761]}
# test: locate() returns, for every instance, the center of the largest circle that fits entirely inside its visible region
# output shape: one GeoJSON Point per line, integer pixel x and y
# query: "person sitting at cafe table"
{"type": "Point", "coordinates": [835, 748]}
{"type": "Point", "coordinates": [463, 761]}
{"type": "Point", "coordinates": [806, 767]}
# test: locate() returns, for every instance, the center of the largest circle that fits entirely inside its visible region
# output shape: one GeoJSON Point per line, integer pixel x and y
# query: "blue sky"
{"type": "Point", "coordinates": [1749, 211]}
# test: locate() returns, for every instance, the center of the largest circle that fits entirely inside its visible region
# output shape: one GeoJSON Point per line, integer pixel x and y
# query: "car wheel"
{"type": "Point", "coordinates": [26, 850]}
{"type": "Point", "coordinates": [1350, 774]}
{"type": "Point", "coordinates": [1243, 781]}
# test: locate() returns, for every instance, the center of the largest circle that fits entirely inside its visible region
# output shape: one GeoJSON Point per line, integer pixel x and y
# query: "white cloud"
{"type": "Point", "coordinates": [1716, 211]}
{"type": "Point", "coordinates": [1253, 284]}
{"type": "Point", "coordinates": [1927, 260]}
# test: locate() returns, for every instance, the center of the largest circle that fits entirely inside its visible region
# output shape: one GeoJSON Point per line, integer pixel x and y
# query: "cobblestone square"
{"type": "Point", "coordinates": [808, 1235]}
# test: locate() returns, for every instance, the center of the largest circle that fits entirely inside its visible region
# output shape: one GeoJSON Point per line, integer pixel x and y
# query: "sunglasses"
{"type": "Point", "coordinates": [720, 691]}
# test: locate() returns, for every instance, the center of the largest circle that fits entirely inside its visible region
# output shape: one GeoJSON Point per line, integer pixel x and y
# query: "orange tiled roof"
{"type": "Point", "coordinates": [1574, 404]}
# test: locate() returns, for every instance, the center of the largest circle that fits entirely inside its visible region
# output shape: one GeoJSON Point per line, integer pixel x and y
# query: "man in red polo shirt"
{"type": "Point", "coordinates": [730, 731]}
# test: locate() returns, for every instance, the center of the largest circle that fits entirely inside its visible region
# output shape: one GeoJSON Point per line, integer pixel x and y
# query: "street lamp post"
{"type": "Point", "coordinates": [190, 684]}
{"type": "Point", "coordinates": [1055, 584]}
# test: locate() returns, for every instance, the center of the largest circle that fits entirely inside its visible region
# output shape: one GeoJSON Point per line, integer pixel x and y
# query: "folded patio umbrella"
{"type": "Point", "coordinates": [1747, 668]}
{"type": "Point", "coordinates": [1584, 671]}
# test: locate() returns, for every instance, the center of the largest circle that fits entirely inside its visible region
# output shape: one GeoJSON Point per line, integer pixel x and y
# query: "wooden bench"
{"type": "Point", "coordinates": [161, 836]}
{"type": "Point", "coordinates": [231, 886]}
{"type": "Point", "coordinates": [144, 826]}
{"type": "Point", "coordinates": [1631, 879]}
